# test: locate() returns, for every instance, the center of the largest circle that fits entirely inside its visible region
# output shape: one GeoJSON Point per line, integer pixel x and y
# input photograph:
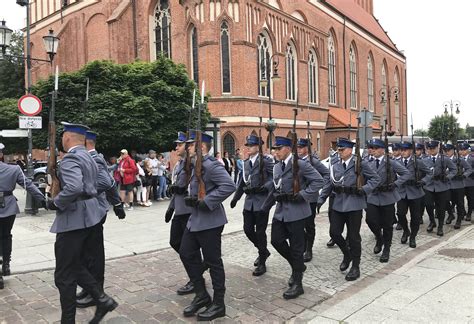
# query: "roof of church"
{"type": "Point", "coordinates": [364, 19]}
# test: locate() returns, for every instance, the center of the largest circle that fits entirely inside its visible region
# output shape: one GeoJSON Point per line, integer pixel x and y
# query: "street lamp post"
{"type": "Point", "coordinates": [386, 95]}
{"type": "Point", "coordinates": [51, 43]}
{"type": "Point", "coordinates": [267, 65]}
{"type": "Point", "coordinates": [452, 104]}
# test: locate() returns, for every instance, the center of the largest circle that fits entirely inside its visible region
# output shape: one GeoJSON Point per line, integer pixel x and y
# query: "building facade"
{"type": "Point", "coordinates": [333, 58]}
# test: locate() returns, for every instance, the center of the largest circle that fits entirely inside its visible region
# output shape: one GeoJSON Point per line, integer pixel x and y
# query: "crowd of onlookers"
{"type": "Point", "coordinates": [233, 165]}
{"type": "Point", "coordinates": [141, 178]}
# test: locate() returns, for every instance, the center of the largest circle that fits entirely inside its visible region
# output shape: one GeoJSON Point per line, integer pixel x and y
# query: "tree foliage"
{"type": "Point", "coordinates": [12, 70]}
{"type": "Point", "coordinates": [446, 128]}
{"type": "Point", "coordinates": [9, 120]}
{"type": "Point", "coordinates": [137, 106]}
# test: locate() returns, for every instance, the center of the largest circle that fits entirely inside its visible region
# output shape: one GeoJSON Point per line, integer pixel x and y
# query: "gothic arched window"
{"type": "Point", "coordinates": [370, 82]}
{"type": "Point", "coordinates": [229, 144]}
{"type": "Point", "coordinates": [332, 69]}
{"type": "Point", "coordinates": [225, 57]}
{"type": "Point", "coordinates": [313, 77]}
{"type": "Point", "coordinates": [397, 104]}
{"type": "Point", "coordinates": [264, 48]}
{"type": "Point", "coordinates": [163, 29]}
{"type": "Point", "coordinates": [291, 72]}
{"type": "Point", "coordinates": [353, 76]}
{"type": "Point", "coordinates": [194, 54]}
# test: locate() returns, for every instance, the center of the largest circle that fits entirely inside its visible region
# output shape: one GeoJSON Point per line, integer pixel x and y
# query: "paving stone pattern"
{"type": "Point", "coordinates": [145, 285]}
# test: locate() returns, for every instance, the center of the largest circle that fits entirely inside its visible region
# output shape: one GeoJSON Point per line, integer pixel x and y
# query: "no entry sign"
{"type": "Point", "coordinates": [30, 105]}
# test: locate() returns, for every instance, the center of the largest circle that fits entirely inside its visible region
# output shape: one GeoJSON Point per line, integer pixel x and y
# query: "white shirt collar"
{"type": "Point", "coordinates": [72, 148]}
{"type": "Point", "coordinates": [254, 158]}
{"type": "Point", "coordinates": [347, 162]}
{"type": "Point", "coordinates": [288, 158]}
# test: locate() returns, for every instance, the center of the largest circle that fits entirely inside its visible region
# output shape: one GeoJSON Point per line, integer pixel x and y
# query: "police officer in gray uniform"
{"type": "Point", "coordinates": [10, 176]}
{"type": "Point", "coordinates": [310, 226]}
{"type": "Point", "coordinates": [456, 185]}
{"type": "Point", "coordinates": [77, 212]}
{"type": "Point", "coordinates": [203, 233]}
{"type": "Point", "coordinates": [381, 201]}
{"type": "Point", "coordinates": [256, 187]}
{"type": "Point", "coordinates": [291, 211]}
{"type": "Point", "coordinates": [411, 193]}
{"type": "Point", "coordinates": [464, 151]}
{"type": "Point", "coordinates": [179, 190]}
{"type": "Point", "coordinates": [107, 194]}
{"type": "Point", "coordinates": [437, 189]}
{"type": "Point", "coordinates": [349, 201]}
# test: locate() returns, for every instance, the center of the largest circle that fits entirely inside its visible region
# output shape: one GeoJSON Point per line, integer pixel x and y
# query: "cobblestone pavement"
{"type": "Point", "coordinates": [145, 284]}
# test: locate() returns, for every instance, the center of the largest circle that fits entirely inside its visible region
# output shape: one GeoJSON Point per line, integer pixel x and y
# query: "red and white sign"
{"type": "Point", "coordinates": [30, 105]}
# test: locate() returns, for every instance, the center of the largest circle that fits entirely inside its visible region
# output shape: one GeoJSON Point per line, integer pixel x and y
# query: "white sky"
{"type": "Point", "coordinates": [436, 38]}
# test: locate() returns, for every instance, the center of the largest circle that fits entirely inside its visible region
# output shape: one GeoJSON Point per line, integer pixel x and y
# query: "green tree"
{"type": "Point", "coordinates": [420, 132]}
{"type": "Point", "coordinates": [445, 127]}
{"type": "Point", "coordinates": [135, 106]}
{"type": "Point", "coordinates": [469, 131]}
{"type": "Point", "coordinates": [9, 120]}
{"type": "Point", "coordinates": [12, 70]}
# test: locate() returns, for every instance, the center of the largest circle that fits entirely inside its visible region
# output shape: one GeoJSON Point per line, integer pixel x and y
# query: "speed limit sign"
{"type": "Point", "coordinates": [30, 105]}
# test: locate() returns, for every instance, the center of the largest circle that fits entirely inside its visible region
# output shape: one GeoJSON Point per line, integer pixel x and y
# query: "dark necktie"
{"type": "Point", "coordinates": [282, 166]}
{"type": "Point", "coordinates": [344, 165]}
{"type": "Point", "coordinates": [434, 159]}
{"type": "Point", "coordinates": [377, 163]}
{"type": "Point", "coordinates": [251, 164]}
{"type": "Point", "coordinates": [406, 162]}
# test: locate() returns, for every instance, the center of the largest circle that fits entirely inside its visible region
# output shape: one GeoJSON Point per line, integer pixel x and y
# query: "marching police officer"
{"type": "Point", "coordinates": [256, 187]}
{"type": "Point", "coordinates": [203, 232]}
{"type": "Point", "coordinates": [11, 175]}
{"type": "Point", "coordinates": [437, 189]}
{"type": "Point", "coordinates": [291, 211]}
{"type": "Point", "coordinates": [334, 158]}
{"type": "Point", "coordinates": [349, 201]}
{"type": "Point", "coordinates": [464, 151]}
{"type": "Point", "coordinates": [310, 226]}
{"type": "Point", "coordinates": [107, 193]}
{"type": "Point", "coordinates": [420, 154]}
{"type": "Point", "coordinates": [411, 193]}
{"type": "Point", "coordinates": [77, 213]}
{"type": "Point", "coordinates": [456, 185]}
{"type": "Point", "coordinates": [381, 201]}
{"type": "Point", "coordinates": [179, 190]}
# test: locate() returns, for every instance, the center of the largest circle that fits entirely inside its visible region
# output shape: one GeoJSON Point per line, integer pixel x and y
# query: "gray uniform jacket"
{"type": "Point", "coordinates": [409, 190]}
{"type": "Point", "coordinates": [399, 172]}
{"type": "Point", "coordinates": [346, 202]}
{"type": "Point", "coordinates": [251, 179]}
{"type": "Point", "coordinates": [77, 201]}
{"type": "Point", "coordinates": [323, 171]}
{"type": "Point", "coordinates": [219, 185]}
{"type": "Point", "coordinates": [106, 186]}
{"type": "Point", "coordinates": [437, 169]}
{"type": "Point", "coordinates": [180, 181]}
{"type": "Point", "coordinates": [469, 181]}
{"type": "Point", "coordinates": [10, 176]}
{"type": "Point", "coordinates": [310, 184]}
{"type": "Point", "coordinates": [465, 171]}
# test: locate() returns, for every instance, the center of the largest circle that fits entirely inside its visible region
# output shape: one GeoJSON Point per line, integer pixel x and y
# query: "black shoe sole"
{"type": "Point", "coordinates": [200, 318]}
{"type": "Point", "coordinates": [197, 311]}
{"type": "Point", "coordinates": [352, 278]}
{"type": "Point", "coordinates": [92, 303]}
{"type": "Point", "coordinates": [109, 309]}
{"type": "Point", "coordinates": [183, 292]}
{"type": "Point", "coordinates": [292, 296]}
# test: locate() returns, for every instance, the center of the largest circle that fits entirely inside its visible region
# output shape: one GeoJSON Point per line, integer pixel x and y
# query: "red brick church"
{"type": "Point", "coordinates": [332, 57]}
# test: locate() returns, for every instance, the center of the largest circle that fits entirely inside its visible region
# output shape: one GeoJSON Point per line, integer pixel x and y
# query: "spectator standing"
{"type": "Point", "coordinates": [238, 168]}
{"type": "Point", "coordinates": [227, 163]}
{"type": "Point", "coordinates": [155, 171]}
{"type": "Point", "coordinates": [219, 157]}
{"type": "Point", "coordinates": [162, 164]}
{"type": "Point", "coordinates": [146, 182]}
{"type": "Point", "coordinates": [128, 171]}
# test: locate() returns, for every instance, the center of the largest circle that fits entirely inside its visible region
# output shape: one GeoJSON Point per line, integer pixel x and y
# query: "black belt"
{"type": "Point", "coordinates": [7, 193]}
{"type": "Point", "coordinates": [255, 190]}
{"type": "Point", "coordinates": [84, 197]}
{"type": "Point", "coordinates": [441, 177]}
{"type": "Point", "coordinates": [178, 190]}
{"type": "Point", "coordinates": [346, 190]}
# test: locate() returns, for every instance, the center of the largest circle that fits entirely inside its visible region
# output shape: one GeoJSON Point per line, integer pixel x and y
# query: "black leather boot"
{"type": "Point", "coordinates": [354, 273]}
{"type": "Point", "coordinates": [86, 301]}
{"type": "Point", "coordinates": [6, 267]}
{"type": "Point", "coordinates": [308, 254]}
{"type": "Point", "coordinates": [296, 288]}
{"type": "Point", "coordinates": [202, 299]}
{"type": "Point", "coordinates": [7, 255]}
{"type": "Point", "coordinates": [378, 245]}
{"type": "Point", "coordinates": [346, 261]}
{"type": "Point", "coordinates": [430, 227]}
{"type": "Point", "coordinates": [468, 215]}
{"type": "Point", "coordinates": [330, 243]}
{"type": "Point", "coordinates": [186, 289]}
{"type": "Point", "coordinates": [2, 285]}
{"type": "Point", "coordinates": [412, 242]}
{"type": "Point", "coordinates": [105, 304]}
{"type": "Point", "coordinates": [215, 310]}
{"type": "Point", "coordinates": [405, 235]}
{"type": "Point", "coordinates": [440, 230]}
{"type": "Point", "coordinates": [385, 255]}
{"type": "Point", "coordinates": [259, 270]}
{"type": "Point", "coordinates": [450, 218]}
{"type": "Point", "coordinates": [458, 221]}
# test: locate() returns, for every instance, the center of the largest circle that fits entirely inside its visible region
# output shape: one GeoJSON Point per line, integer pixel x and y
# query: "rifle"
{"type": "Point", "coordinates": [308, 136]}
{"type": "Point", "coordinates": [198, 145]}
{"type": "Point", "coordinates": [260, 155]}
{"type": "Point", "coordinates": [415, 159]}
{"type": "Point", "coordinates": [388, 165]}
{"type": "Point", "coordinates": [295, 168]}
{"type": "Point", "coordinates": [188, 162]}
{"type": "Point", "coordinates": [358, 160]}
{"type": "Point", "coordinates": [456, 152]}
{"type": "Point", "coordinates": [53, 181]}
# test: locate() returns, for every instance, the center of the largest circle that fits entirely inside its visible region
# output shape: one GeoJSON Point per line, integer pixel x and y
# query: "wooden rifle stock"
{"type": "Point", "coordinates": [358, 161]}
{"type": "Point", "coordinates": [260, 155]}
{"type": "Point", "coordinates": [388, 165]}
{"type": "Point", "coordinates": [415, 158]}
{"type": "Point", "coordinates": [310, 150]}
{"type": "Point", "coordinates": [53, 181]}
{"type": "Point", "coordinates": [295, 168]}
{"type": "Point", "coordinates": [198, 168]}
